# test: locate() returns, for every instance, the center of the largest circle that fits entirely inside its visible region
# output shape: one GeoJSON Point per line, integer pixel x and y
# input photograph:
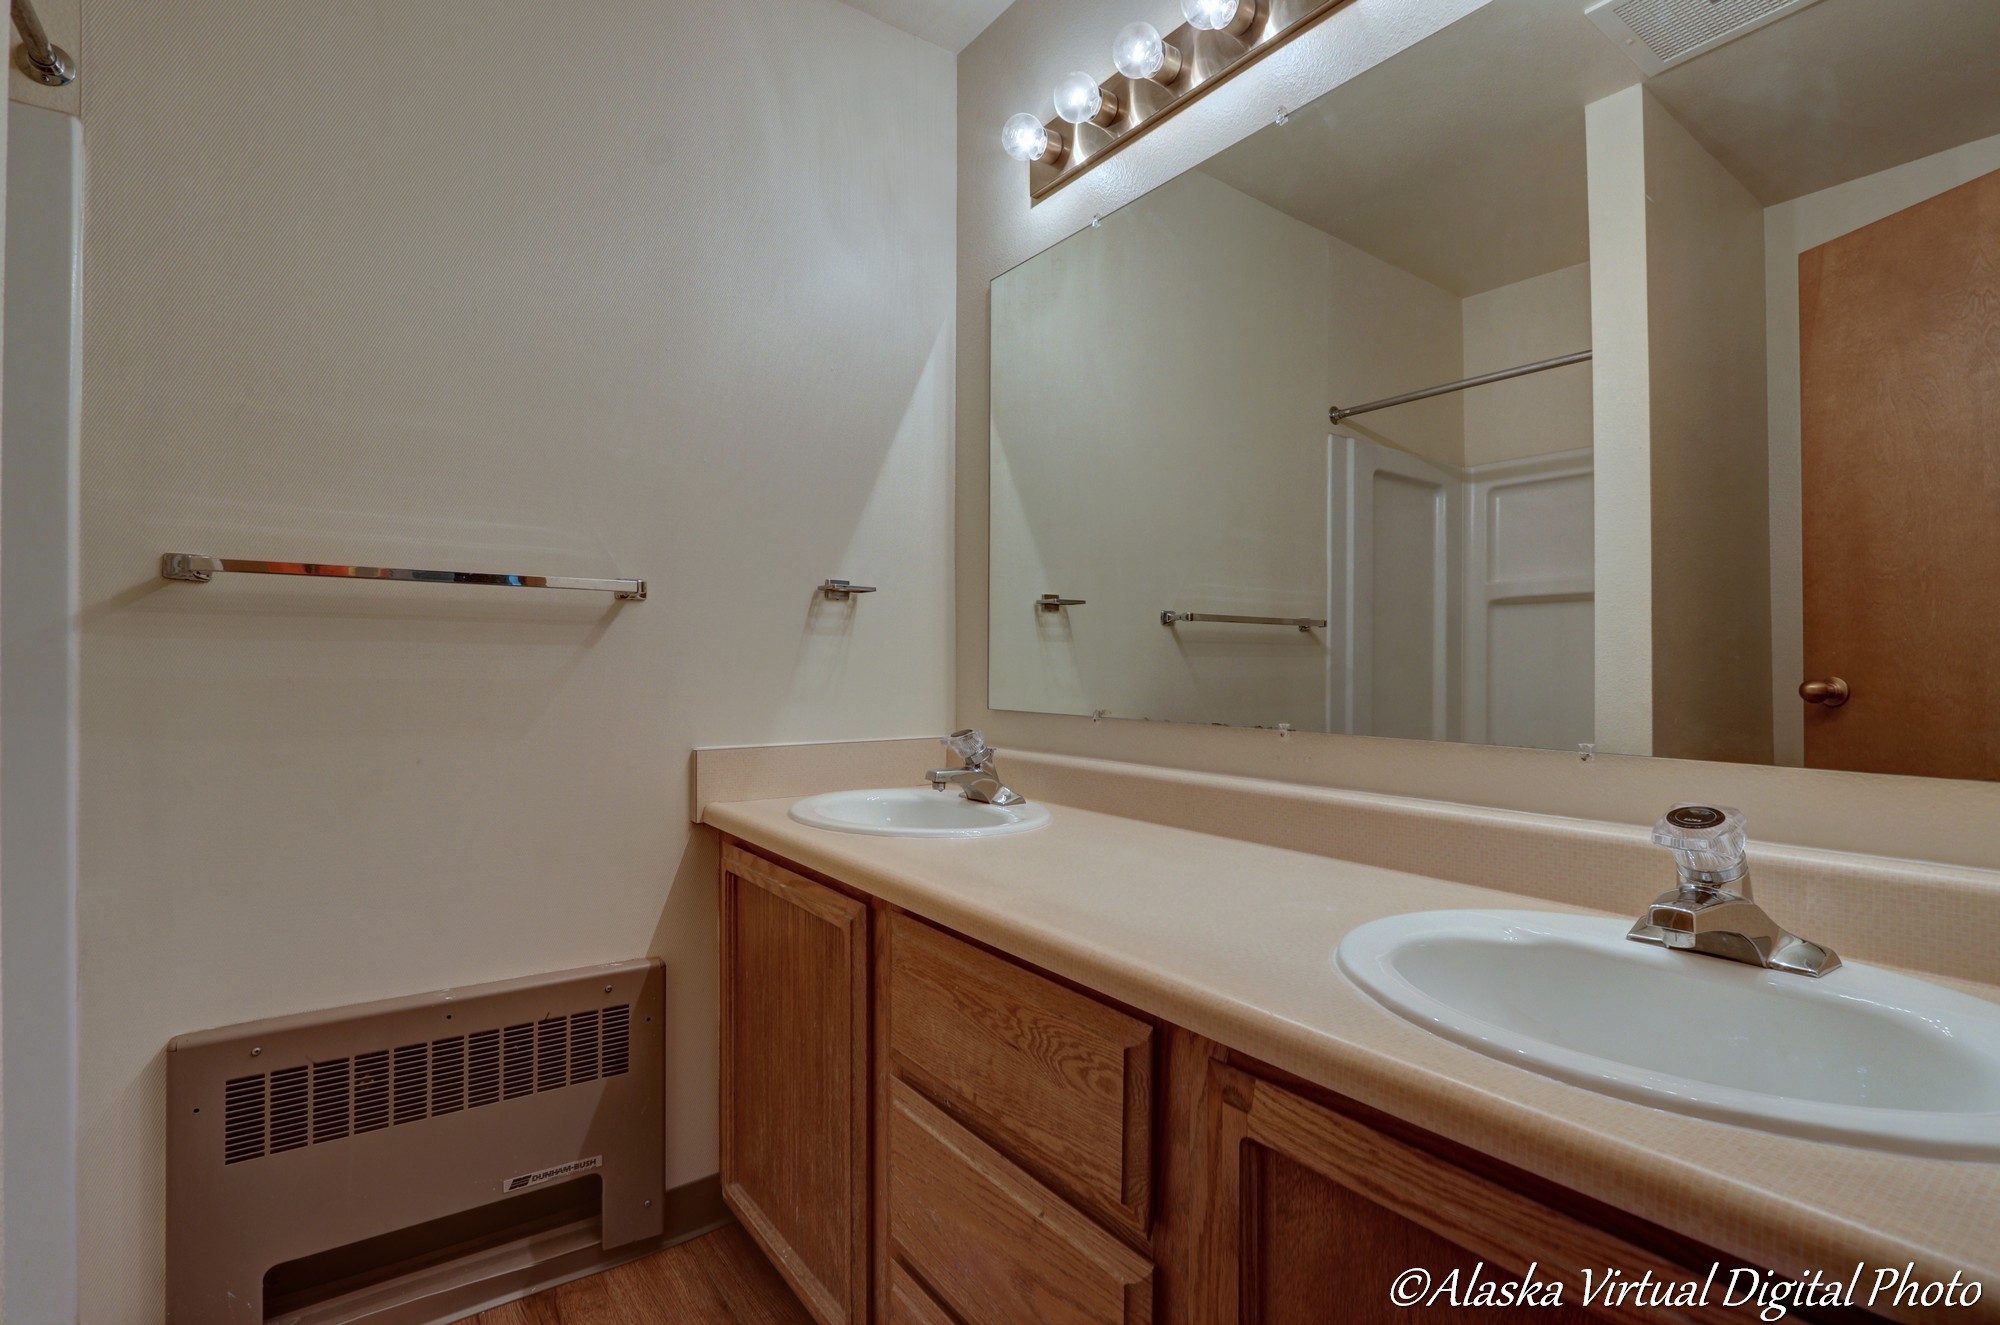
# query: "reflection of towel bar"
{"type": "Point", "coordinates": [196, 569]}
{"type": "Point", "coordinates": [1169, 617]}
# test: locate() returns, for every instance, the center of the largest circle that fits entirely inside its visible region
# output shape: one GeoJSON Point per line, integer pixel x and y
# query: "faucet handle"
{"type": "Point", "coordinates": [969, 744]}
{"type": "Point", "coordinates": [1709, 842]}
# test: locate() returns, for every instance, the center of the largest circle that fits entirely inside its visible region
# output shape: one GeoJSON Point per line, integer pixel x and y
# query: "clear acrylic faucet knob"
{"type": "Point", "coordinates": [1705, 839]}
{"type": "Point", "coordinates": [968, 744]}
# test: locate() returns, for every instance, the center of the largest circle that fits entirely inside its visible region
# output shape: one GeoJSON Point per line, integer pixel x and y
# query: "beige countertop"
{"type": "Point", "coordinates": [1234, 940]}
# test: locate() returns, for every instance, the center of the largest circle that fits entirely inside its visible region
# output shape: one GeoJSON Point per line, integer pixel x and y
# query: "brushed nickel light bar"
{"type": "Point", "coordinates": [1156, 76]}
{"type": "Point", "coordinates": [45, 60]}
{"type": "Point", "coordinates": [195, 568]}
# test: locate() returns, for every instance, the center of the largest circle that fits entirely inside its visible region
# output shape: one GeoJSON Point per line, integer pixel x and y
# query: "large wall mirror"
{"type": "Point", "coordinates": [1726, 481]}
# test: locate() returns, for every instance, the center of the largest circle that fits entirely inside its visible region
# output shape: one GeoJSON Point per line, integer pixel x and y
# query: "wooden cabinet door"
{"type": "Point", "coordinates": [795, 1078]}
{"type": "Point", "coordinates": [1309, 1216]}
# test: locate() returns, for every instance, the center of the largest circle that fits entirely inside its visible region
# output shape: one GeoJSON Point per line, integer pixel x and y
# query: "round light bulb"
{"type": "Point", "coordinates": [1209, 15]}
{"type": "Point", "coordinates": [1078, 98]}
{"type": "Point", "coordinates": [1025, 138]}
{"type": "Point", "coordinates": [1138, 52]}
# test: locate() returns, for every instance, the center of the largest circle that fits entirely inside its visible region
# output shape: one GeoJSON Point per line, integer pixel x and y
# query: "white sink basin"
{"type": "Point", "coordinates": [1860, 1055]}
{"type": "Point", "coordinates": [916, 812]}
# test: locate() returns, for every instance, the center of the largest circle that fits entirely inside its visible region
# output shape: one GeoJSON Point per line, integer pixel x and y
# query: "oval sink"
{"type": "Point", "coordinates": [1859, 1055]}
{"type": "Point", "coordinates": [916, 812]}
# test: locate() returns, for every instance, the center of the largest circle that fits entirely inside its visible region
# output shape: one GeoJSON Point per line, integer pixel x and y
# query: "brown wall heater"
{"type": "Point", "coordinates": [412, 1160]}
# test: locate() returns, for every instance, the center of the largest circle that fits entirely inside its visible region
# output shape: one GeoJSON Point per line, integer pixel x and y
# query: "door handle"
{"type": "Point", "coordinates": [1832, 692]}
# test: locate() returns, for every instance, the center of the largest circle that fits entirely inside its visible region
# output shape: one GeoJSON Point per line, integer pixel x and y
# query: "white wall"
{"type": "Point", "coordinates": [1542, 317]}
{"type": "Point", "coordinates": [1791, 228]}
{"type": "Point", "coordinates": [1711, 549]}
{"type": "Point", "coordinates": [1180, 467]}
{"type": "Point", "coordinates": [1681, 551]}
{"type": "Point", "coordinates": [1621, 423]}
{"type": "Point", "coordinates": [611, 289]}
{"type": "Point", "coordinates": [1390, 332]}
{"type": "Point", "coordinates": [1159, 441]}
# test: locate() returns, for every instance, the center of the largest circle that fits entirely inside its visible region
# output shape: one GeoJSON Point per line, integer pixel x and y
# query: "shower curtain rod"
{"type": "Point", "coordinates": [1336, 414]}
{"type": "Point", "coordinates": [46, 60]}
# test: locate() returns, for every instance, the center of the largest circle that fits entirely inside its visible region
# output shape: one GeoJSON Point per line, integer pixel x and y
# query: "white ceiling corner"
{"type": "Point", "coordinates": [951, 24]}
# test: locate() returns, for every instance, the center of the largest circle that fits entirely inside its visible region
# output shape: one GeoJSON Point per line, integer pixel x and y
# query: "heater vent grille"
{"type": "Point", "coordinates": [371, 1091]}
{"type": "Point", "coordinates": [291, 1107]}
{"type": "Point", "coordinates": [1671, 31]}
{"type": "Point", "coordinates": [243, 1119]}
{"type": "Point", "coordinates": [288, 1109]}
{"type": "Point", "coordinates": [617, 1053]}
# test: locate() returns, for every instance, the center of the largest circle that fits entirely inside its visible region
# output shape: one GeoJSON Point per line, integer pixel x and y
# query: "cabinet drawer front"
{"type": "Point", "coordinates": [1062, 1081]}
{"type": "Point", "coordinates": [995, 1245]}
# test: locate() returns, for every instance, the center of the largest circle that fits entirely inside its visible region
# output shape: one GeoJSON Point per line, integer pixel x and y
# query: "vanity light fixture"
{"type": "Point", "coordinates": [1028, 139]}
{"type": "Point", "coordinates": [1141, 53]}
{"type": "Point", "coordinates": [1156, 75]}
{"type": "Point", "coordinates": [1081, 101]}
{"type": "Point", "coordinates": [1219, 15]}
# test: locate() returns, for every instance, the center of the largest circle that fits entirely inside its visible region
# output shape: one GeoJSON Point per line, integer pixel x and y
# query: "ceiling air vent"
{"type": "Point", "coordinates": [1659, 34]}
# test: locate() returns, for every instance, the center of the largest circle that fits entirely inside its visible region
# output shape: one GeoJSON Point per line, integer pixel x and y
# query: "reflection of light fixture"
{"type": "Point", "coordinates": [1079, 98]}
{"type": "Point", "coordinates": [1028, 139]}
{"type": "Point", "coordinates": [1219, 15]}
{"type": "Point", "coordinates": [1156, 77]}
{"type": "Point", "coordinates": [1139, 53]}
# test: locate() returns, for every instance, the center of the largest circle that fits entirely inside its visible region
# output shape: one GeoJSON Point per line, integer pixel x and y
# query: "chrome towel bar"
{"type": "Point", "coordinates": [1307, 623]}
{"type": "Point", "coordinates": [196, 568]}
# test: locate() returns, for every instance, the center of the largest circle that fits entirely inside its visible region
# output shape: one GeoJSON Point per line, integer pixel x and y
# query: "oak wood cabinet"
{"type": "Point", "coordinates": [989, 1241]}
{"type": "Point", "coordinates": [795, 1087]}
{"type": "Point", "coordinates": [922, 1131]}
{"type": "Point", "coordinates": [1309, 1215]}
{"type": "Point", "coordinates": [1058, 1079]}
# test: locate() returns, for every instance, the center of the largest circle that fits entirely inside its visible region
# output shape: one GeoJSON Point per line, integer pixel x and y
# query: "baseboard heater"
{"type": "Point", "coordinates": [409, 1161]}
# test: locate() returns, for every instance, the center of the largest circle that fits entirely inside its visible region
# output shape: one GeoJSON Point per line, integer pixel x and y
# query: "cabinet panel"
{"type": "Point", "coordinates": [1310, 1215]}
{"type": "Point", "coordinates": [795, 1078]}
{"type": "Point", "coordinates": [1063, 1082]}
{"type": "Point", "coordinates": [995, 1245]}
{"type": "Point", "coordinates": [910, 1303]}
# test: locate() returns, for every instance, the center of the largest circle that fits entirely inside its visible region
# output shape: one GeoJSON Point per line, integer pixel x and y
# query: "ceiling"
{"type": "Point", "coordinates": [1462, 159]}
{"type": "Point", "coordinates": [951, 24]}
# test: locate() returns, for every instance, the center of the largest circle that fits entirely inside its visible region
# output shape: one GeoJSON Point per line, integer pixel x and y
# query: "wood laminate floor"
{"type": "Point", "coordinates": [719, 1277]}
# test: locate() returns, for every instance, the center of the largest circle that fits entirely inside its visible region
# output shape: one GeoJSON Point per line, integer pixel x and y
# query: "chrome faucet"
{"type": "Point", "coordinates": [1711, 911]}
{"type": "Point", "coordinates": [976, 775]}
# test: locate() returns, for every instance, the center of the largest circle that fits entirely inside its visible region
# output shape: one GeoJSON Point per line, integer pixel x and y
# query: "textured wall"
{"type": "Point", "coordinates": [606, 289]}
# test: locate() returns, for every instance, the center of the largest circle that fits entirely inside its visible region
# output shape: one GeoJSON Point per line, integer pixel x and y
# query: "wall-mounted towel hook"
{"type": "Point", "coordinates": [1055, 602]}
{"type": "Point", "coordinates": [840, 591]}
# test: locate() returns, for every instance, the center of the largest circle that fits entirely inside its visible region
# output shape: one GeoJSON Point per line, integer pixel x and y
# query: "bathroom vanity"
{"type": "Point", "coordinates": [1108, 1072]}
{"type": "Point", "coordinates": [1035, 1143]}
